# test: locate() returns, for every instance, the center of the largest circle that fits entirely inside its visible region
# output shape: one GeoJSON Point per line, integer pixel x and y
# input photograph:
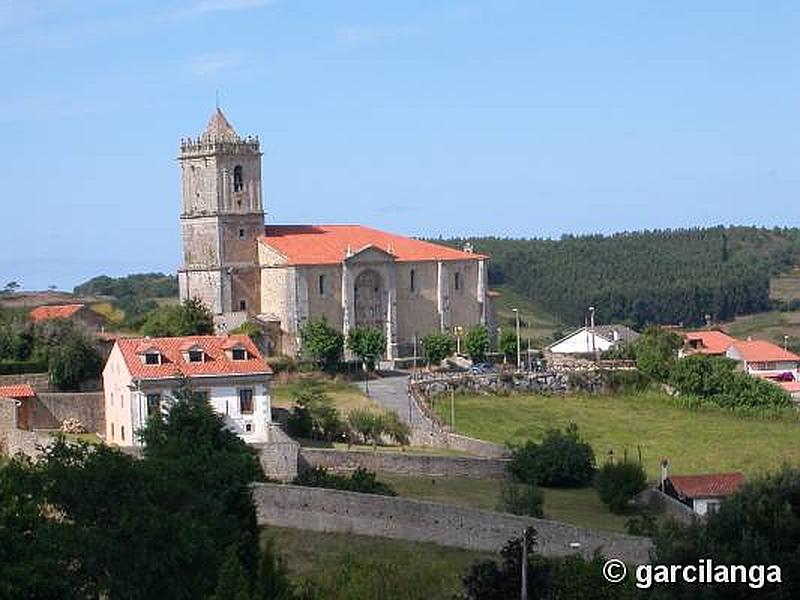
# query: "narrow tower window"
{"type": "Point", "coordinates": [413, 280]}
{"type": "Point", "coordinates": [458, 281]}
{"type": "Point", "coordinates": [238, 184]}
{"type": "Point", "coordinates": [322, 285]}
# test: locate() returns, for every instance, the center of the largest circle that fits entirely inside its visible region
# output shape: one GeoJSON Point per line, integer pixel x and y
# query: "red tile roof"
{"type": "Point", "coordinates": [710, 342]}
{"type": "Point", "coordinates": [55, 311]}
{"type": "Point", "coordinates": [173, 364]}
{"type": "Point", "coordinates": [790, 386]}
{"type": "Point", "coordinates": [718, 485]}
{"type": "Point", "coordinates": [762, 351]}
{"type": "Point", "coordinates": [17, 391]}
{"type": "Point", "coordinates": [329, 244]}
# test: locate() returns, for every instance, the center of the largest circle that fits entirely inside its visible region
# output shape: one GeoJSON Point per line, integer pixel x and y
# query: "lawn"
{"type": "Point", "coordinates": [351, 566]}
{"type": "Point", "coordinates": [577, 506]}
{"type": "Point", "coordinates": [695, 441]}
{"type": "Point", "coordinates": [346, 396]}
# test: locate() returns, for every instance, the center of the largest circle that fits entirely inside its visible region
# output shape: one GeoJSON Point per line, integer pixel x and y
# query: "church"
{"type": "Point", "coordinates": [279, 276]}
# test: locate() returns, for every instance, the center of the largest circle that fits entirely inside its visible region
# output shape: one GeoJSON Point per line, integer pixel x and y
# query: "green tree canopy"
{"type": "Point", "coordinates": [367, 343]}
{"type": "Point", "coordinates": [477, 343]}
{"type": "Point", "coordinates": [436, 347]}
{"type": "Point", "coordinates": [192, 317]}
{"type": "Point", "coordinates": [321, 343]}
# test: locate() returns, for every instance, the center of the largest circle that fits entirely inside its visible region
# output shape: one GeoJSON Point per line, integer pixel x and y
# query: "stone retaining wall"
{"type": "Point", "coordinates": [50, 409]}
{"type": "Point", "coordinates": [319, 509]}
{"type": "Point", "coordinates": [40, 382]}
{"type": "Point", "coordinates": [404, 463]}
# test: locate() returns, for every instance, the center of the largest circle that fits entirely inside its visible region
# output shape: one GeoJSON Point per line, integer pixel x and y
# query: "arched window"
{"type": "Point", "coordinates": [238, 183]}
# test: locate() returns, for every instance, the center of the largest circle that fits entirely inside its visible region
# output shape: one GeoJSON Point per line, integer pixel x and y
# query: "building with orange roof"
{"type": "Point", "coordinates": [702, 493]}
{"type": "Point", "coordinates": [283, 275]}
{"type": "Point", "coordinates": [142, 375]}
{"type": "Point", "coordinates": [22, 395]}
{"type": "Point", "coordinates": [765, 359]}
{"type": "Point", "coordinates": [78, 313]}
{"type": "Point", "coordinates": [714, 343]}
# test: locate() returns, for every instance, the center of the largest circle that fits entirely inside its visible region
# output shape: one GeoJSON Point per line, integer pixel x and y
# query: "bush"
{"type": "Point", "coordinates": [321, 344]}
{"type": "Point", "coordinates": [521, 499]}
{"type": "Point", "coordinates": [360, 480]}
{"type": "Point", "coordinates": [313, 415]}
{"type": "Point", "coordinates": [618, 483]}
{"type": "Point", "coordinates": [367, 424]}
{"type": "Point", "coordinates": [396, 429]}
{"type": "Point", "coordinates": [562, 459]}
{"type": "Point", "coordinates": [436, 347]}
{"type": "Point", "coordinates": [477, 343]}
{"type": "Point", "coordinates": [656, 351]}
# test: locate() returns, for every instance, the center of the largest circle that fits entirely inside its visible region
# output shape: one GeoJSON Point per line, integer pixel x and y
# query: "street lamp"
{"type": "Point", "coordinates": [591, 329]}
{"type": "Point", "coordinates": [519, 349]}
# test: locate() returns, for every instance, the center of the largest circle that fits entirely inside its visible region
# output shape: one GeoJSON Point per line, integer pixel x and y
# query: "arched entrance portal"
{"type": "Point", "coordinates": [370, 308]}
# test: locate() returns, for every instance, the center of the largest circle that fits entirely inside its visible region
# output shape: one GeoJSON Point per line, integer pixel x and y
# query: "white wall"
{"type": "Point", "coordinates": [580, 343]}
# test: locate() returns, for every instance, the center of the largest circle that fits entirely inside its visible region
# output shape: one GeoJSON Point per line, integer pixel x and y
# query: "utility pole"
{"type": "Point", "coordinates": [591, 329]}
{"type": "Point", "coordinates": [453, 408]}
{"type": "Point", "coordinates": [519, 349]}
{"type": "Point", "coordinates": [523, 594]}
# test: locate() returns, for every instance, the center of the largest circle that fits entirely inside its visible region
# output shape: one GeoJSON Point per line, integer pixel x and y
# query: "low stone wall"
{"type": "Point", "coordinates": [50, 409]}
{"type": "Point", "coordinates": [40, 382]}
{"type": "Point", "coordinates": [319, 509]}
{"type": "Point", "coordinates": [404, 463]}
{"type": "Point", "coordinates": [13, 440]}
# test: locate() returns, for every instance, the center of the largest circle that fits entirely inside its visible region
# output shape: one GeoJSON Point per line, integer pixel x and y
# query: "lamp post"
{"type": "Point", "coordinates": [519, 349]}
{"type": "Point", "coordinates": [591, 329]}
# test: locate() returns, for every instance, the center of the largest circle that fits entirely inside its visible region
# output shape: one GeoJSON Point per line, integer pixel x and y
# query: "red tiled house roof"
{"type": "Point", "coordinates": [217, 361]}
{"type": "Point", "coordinates": [329, 244]}
{"type": "Point", "coordinates": [762, 351]}
{"type": "Point", "coordinates": [718, 485]}
{"type": "Point", "coordinates": [709, 342]}
{"type": "Point", "coordinates": [55, 311]}
{"type": "Point", "coordinates": [17, 391]}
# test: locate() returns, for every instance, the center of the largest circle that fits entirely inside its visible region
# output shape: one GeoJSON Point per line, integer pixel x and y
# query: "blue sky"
{"type": "Point", "coordinates": [510, 118]}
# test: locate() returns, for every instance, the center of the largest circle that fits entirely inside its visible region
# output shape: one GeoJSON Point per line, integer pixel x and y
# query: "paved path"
{"type": "Point", "coordinates": [391, 392]}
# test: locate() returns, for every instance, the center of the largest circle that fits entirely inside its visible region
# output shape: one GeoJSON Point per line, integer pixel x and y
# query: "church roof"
{"type": "Point", "coordinates": [219, 129]}
{"type": "Point", "coordinates": [330, 244]}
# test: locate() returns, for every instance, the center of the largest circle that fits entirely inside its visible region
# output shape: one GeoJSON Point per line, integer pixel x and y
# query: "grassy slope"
{"type": "Point", "coordinates": [698, 441]}
{"type": "Point", "coordinates": [579, 506]}
{"type": "Point", "coordinates": [536, 323]}
{"type": "Point", "coordinates": [385, 568]}
{"type": "Point", "coordinates": [345, 396]}
{"type": "Point", "coordinates": [768, 326]}
{"type": "Point", "coordinates": [785, 287]}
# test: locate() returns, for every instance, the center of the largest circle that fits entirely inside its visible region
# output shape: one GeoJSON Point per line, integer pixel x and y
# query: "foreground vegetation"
{"type": "Point", "coordinates": [701, 440]}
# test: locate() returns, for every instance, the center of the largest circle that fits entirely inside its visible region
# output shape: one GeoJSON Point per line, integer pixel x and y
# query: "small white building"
{"type": "Point", "coordinates": [142, 374]}
{"type": "Point", "coordinates": [587, 340]}
{"type": "Point", "coordinates": [703, 493]}
{"type": "Point", "coordinates": [765, 359]}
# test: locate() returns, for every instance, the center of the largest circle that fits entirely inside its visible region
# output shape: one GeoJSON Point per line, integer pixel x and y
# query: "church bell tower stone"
{"type": "Point", "coordinates": [222, 216]}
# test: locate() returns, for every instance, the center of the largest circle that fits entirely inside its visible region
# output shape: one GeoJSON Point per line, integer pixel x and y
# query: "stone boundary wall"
{"type": "Point", "coordinates": [40, 382]}
{"type": "Point", "coordinates": [318, 509]}
{"type": "Point", "coordinates": [50, 409]}
{"type": "Point", "coordinates": [404, 463]}
{"type": "Point", "coordinates": [279, 456]}
{"type": "Point", "coordinates": [13, 440]}
{"type": "Point", "coordinates": [661, 502]}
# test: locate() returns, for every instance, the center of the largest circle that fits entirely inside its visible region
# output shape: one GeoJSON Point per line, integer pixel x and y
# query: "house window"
{"type": "Point", "coordinates": [322, 285]}
{"type": "Point", "coordinates": [122, 428]}
{"type": "Point", "coordinates": [241, 234]}
{"type": "Point", "coordinates": [239, 354]}
{"type": "Point", "coordinates": [153, 404]}
{"type": "Point", "coordinates": [242, 304]}
{"type": "Point", "coordinates": [246, 401]}
{"type": "Point", "coordinates": [248, 427]}
{"type": "Point", "coordinates": [112, 399]}
{"type": "Point", "coordinates": [196, 356]}
{"type": "Point", "coordinates": [458, 281]}
{"type": "Point", "coordinates": [413, 280]}
{"type": "Point", "coordinates": [152, 358]}
{"type": "Point", "coordinates": [112, 431]}
{"type": "Point", "coordinates": [238, 184]}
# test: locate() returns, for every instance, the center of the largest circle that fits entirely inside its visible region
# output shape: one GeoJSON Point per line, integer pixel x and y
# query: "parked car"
{"type": "Point", "coordinates": [482, 368]}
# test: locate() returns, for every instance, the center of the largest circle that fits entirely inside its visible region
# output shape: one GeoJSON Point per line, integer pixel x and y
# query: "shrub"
{"type": "Point", "coordinates": [436, 347]}
{"type": "Point", "coordinates": [618, 483]}
{"type": "Point", "coordinates": [396, 429]}
{"type": "Point", "coordinates": [321, 343]}
{"type": "Point", "coordinates": [656, 351]}
{"type": "Point", "coordinates": [360, 480]}
{"type": "Point", "coordinates": [562, 459]}
{"type": "Point", "coordinates": [367, 424]}
{"type": "Point", "coordinates": [313, 415]}
{"type": "Point", "coordinates": [521, 499]}
{"type": "Point", "coordinates": [477, 343]}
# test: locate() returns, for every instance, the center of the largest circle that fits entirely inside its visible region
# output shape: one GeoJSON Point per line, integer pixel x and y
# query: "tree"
{"type": "Point", "coordinates": [436, 347]}
{"type": "Point", "coordinates": [619, 483]}
{"type": "Point", "coordinates": [521, 499]}
{"type": "Point", "coordinates": [74, 361]}
{"type": "Point", "coordinates": [367, 344]}
{"type": "Point", "coordinates": [656, 351]}
{"type": "Point", "coordinates": [273, 576]}
{"type": "Point", "coordinates": [313, 415]}
{"type": "Point", "coordinates": [477, 343]}
{"type": "Point", "coordinates": [232, 583]}
{"type": "Point", "coordinates": [190, 318]}
{"type": "Point", "coordinates": [562, 459]}
{"type": "Point", "coordinates": [321, 343]}
{"type": "Point", "coordinates": [508, 344]}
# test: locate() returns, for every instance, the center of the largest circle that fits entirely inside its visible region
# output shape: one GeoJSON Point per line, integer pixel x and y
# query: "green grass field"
{"type": "Point", "coordinates": [695, 441]}
{"type": "Point", "coordinates": [535, 323]}
{"type": "Point", "coordinates": [771, 326]}
{"type": "Point", "coordinates": [346, 396]}
{"type": "Point", "coordinates": [577, 506]}
{"type": "Point", "coordinates": [785, 287]}
{"type": "Point", "coordinates": [351, 566]}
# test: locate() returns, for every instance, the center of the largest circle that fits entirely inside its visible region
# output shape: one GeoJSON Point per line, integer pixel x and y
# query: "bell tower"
{"type": "Point", "coordinates": [222, 216]}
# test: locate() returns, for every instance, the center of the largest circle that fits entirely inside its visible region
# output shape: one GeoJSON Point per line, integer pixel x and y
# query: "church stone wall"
{"type": "Point", "coordinates": [417, 311]}
{"type": "Point", "coordinates": [328, 304]}
{"type": "Point", "coordinates": [464, 305]}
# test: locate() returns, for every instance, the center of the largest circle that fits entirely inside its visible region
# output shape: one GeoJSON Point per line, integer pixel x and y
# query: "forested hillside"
{"type": "Point", "coordinates": [134, 294]}
{"type": "Point", "coordinates": [667, 276]}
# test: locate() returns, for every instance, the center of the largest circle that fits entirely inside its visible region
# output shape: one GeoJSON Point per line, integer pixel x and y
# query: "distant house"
{"type": "Point", "coordinates": [78, 313]}
{"type": "Point", "coordinates": [765, 359]}
{"type": "Point", "coordinates": [142, 374]}
{"type": "Point", "coordinates": [586, 339]}
{"type": "Point", "coordinates": [713, 343]}
{"type": "Point", "coordinates": [702, 493]}
{"type": "Point", "coordinates": [23, 395]}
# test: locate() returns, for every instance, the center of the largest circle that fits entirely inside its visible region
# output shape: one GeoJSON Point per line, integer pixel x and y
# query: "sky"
{"type": "Point", "coordinates": [426, 118]}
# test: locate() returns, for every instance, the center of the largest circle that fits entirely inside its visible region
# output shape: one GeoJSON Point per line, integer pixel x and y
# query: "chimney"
{"type": "Point", "coordinates": [664, 474]}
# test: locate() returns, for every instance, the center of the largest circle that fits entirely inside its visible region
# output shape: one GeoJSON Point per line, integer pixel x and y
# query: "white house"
{"type": "Point", "coordinates": [141, 376]}
{"type": "Point", "coordinates": [703, 493]}
{"type": "Point", "coordinates": [765, 359]}
{"type": "Point", "coordinates": [586, 339]}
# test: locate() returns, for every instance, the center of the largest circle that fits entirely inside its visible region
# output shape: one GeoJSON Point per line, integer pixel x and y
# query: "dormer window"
{"type": "Point", "coordinates": [152, 358]}
{"type": "Point", "coordinates": [196, 356]}
{"type": "Point", "coordinates": [239, 354]}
